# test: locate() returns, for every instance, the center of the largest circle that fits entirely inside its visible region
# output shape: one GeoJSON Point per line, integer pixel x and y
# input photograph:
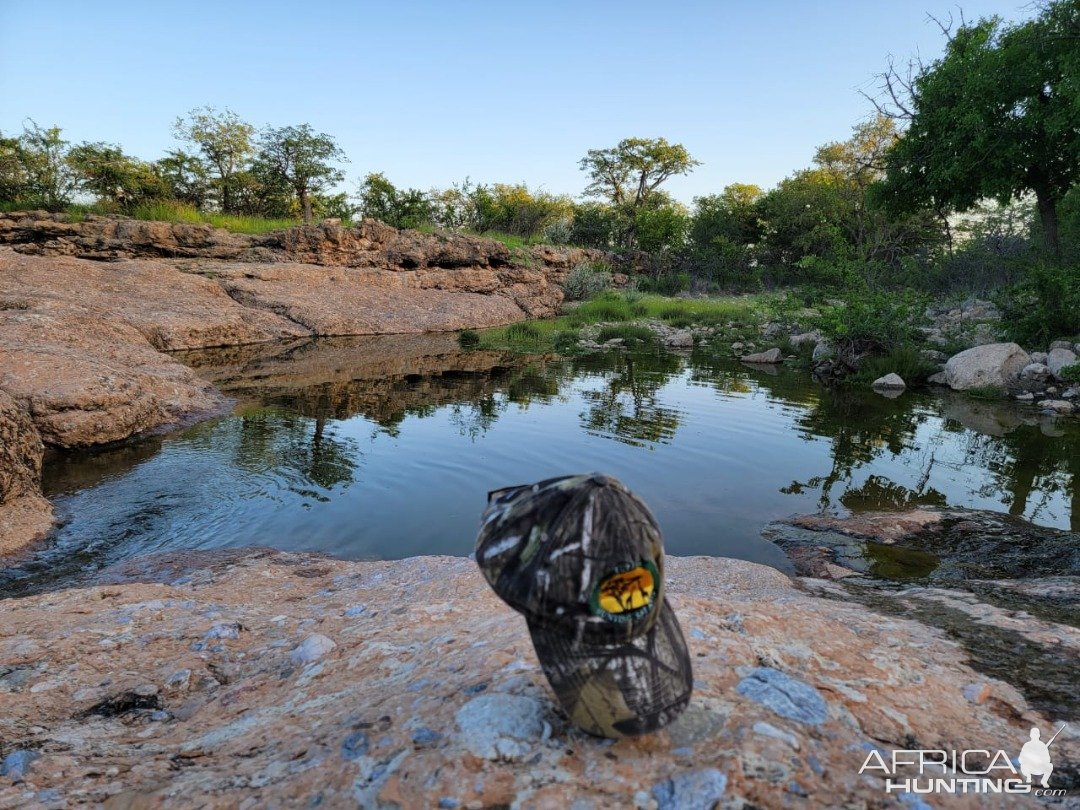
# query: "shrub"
{"type": "Point", "coordinates": [468, 339]}
{"type": "Point", "coordinates": [1044, 305]}
{"type": "Point", "coordinates": [1071, 373]}
{"type": "Point", "coordinates": [586, 280]}
{"type": "Point", "coordinates": [873, 321]}
{"type": "Point", "coordinates": [665, 284]}
{"type": "Point", "coordinates": [565, 340]}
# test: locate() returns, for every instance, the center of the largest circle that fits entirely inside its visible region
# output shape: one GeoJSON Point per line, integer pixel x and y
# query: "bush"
{"type": "Point", "coordinates": [586, 280]}
{"type": "Point", "coordinates": [1071, 373]}
{"type": "Point", "coordinates": [468, 339]}
{"type": "Point", "coordinates": [665, 284]}
{"type": "Point", "coordinates": [873, 322]}
{"type": "Point", "coordinates": [1043, 306]}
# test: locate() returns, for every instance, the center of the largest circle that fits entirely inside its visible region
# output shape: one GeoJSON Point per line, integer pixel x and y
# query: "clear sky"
{"type": "Point", "coordinates": [432, 92]}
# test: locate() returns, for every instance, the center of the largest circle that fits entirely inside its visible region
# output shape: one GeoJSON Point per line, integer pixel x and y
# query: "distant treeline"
{"type": "Point", "coordinates": [990, 127]}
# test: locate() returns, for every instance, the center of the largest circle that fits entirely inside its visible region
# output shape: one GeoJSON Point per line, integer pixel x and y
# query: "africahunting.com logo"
{"type": "Point", "coordinates": [981, 771]}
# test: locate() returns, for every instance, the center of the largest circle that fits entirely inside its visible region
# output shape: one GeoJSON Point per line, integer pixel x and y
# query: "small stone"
{"type": "Point", "coordinates": [425, 737]}
{"type": "Point", "coordinates": [977, 693]}
{"type": "Point", "coordinates": [889, 381]}
{"type": "Point", "coordinates": [787, 696]}
{"type": "Point", "coordinates": [17, 763]}
{"type": "Point", "coordinates": [355, 745]}
{"type": "Point", "coordinates": [501, 727]}
{"type": "Point", "coordinates": [178, 681]}
{"type": "Point", "coordinates": [353, 611]}
{"type": "Point", "coordinates": [769, 730]}
{"type": "Point", "coordinates": [1038, 357]}
{"type": "Point", "coordinates": [938, 379]}
{"type": "Point", "coordinates": [1027, 396]}
{"type": "Point", "coordinates": [693, 790]}
{"type": "Point", "coordinates": [145, 690]}
{"type": "Point", "coordinates": [311, 649]}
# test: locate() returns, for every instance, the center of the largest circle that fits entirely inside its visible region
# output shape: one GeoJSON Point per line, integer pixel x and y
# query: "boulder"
{"type": "Point", "coordinates": [1035, 372]}
{"type": "Point", "coordinates": [941, 378]}
{"type": "Point", "coordinates": [889, 381]}
{"type": "Point", "coordinates": [765, 358]}
{"type": "Point", "coordinates": [813, 338]}
{"type": "Point", "coordinates": [995, 365]}
{"type": "Point", "coordinates": [25, 515]}
{"type": "Point", "coordinates": [1038, 357]}
{"type": "Point", "coordinates": [1060, 358]}
{"type": "Point", "coordinates": [1059, 406]}
{"type": "Point", "coordinates": [1061, 344]}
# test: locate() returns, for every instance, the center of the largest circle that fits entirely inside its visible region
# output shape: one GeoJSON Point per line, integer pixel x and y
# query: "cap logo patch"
{"type": "Point", "coordinates": [626, 593]}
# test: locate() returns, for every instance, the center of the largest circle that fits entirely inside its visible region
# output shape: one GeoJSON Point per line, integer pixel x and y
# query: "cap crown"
{"type": "Point", "coordinates": [580, 551]}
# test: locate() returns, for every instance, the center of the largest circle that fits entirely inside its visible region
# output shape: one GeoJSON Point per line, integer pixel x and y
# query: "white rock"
{"type": "Point", "coordinates": [890, 381]}
{"type": "Point", "coordinates": [995, 365]}
{"type": "Point", "coordinates": [1036, 372]}
{"type": "Point", "coordinates": [771, 356]}
{"type": "Point", "coordinates": [1060, 358]}
{"type": "Point", "coordinates": [311, 649]}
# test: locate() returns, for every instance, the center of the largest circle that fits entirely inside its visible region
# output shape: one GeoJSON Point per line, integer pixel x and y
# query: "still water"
{"type": "Point", "coordinates": [386, 447]}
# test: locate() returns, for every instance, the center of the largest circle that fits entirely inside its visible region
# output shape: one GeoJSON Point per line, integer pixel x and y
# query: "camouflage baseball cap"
{"type": "Point", "coordinates": [582, 559]}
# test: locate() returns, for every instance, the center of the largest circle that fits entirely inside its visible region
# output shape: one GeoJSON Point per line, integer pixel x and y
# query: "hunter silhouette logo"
{"type": "Point", "coordinates": [1035, 757]}
{"type": "Point", "coordinates": [970, 771]}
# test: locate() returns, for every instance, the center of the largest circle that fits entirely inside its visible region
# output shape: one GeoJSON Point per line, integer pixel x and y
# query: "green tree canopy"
{"type": "Point", "coordinates": [627, 174]}
{"type": "Point", "coordinates": [104, 170]}
{"type": "Point", "coordinates": [998, 116]}
{"type": "Point", "coordinates": [225, 142]}
{"type": "Point", "coordinates": [301, 159]}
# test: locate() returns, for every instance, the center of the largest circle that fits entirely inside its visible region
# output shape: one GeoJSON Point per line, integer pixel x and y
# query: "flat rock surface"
{"type": "Point", "coordinates": [254, 678]}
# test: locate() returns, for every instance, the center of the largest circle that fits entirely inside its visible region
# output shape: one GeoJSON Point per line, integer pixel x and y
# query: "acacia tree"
{"type": "Point", "coordinates": [224, 140]}
{"type": "Point", "coordinates": [629, 174]}
{"type": "Point", "coordinates": [996, 117]}
{"type": "Point", "coordinates": [105, 171]}
{"type": "Point", "coordinates": [300, 158]}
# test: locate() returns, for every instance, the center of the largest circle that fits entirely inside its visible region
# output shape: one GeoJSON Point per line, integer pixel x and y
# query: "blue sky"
{"type": "Point", "coordinates": [432, 92]}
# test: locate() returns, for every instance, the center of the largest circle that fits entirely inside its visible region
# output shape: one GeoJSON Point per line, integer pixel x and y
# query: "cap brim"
{"type": "Point", "coordinates": [618, 690]}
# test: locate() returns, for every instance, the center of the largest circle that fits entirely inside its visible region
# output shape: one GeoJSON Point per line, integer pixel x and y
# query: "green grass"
{"type": "Point", "coordinates": [633, 335]}
{"type": "Point", "coordinates": [173, 212]}
{"type": "Point", "coordinates": [176, 212]}
{"type": "Point", "coordinates": [530, 337]}
{"type": "Point", "coordinates": [907, 361]}
{"type": "Point", "coordinates": [615, 306]}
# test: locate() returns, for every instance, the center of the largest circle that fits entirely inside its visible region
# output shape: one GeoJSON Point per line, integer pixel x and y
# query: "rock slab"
{"type": "Point", "coordinates": [433, 697]}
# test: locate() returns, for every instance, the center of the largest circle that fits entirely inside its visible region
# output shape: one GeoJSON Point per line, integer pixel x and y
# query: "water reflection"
{"type": "Point", "coordinates": [384, 447]}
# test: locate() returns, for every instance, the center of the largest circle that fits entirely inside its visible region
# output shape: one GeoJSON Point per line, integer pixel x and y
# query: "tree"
{"type": "Point", "coordinates": [36, 167]}
{"type": "Point", "coordinates": [300, 158]}
{"type": "Point", "coordinates": [225, 142]}
{"type": "Point", "coordinates": [630, 173]}
{"type": "Point", "coordinates": [997, 117]}
{"type": "Point", "coordinates": [104, 170]}
{"type": "Point", "coordinates": [183, 177]}
{"type": "Point", "coordinates": [380, 199]}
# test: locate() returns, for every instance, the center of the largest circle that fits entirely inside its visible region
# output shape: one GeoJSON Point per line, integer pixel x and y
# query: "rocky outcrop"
{"type": "Point", "coordinates": [995, 365]}
{"type": "Point", "coordinates": [265, 679]}
{"type": "Point", "coordinates": [25, 515]}
{"type": "Point", "coordinates": [87, 307]}
{"type": "Point", "coordinates": [1005, 589]}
